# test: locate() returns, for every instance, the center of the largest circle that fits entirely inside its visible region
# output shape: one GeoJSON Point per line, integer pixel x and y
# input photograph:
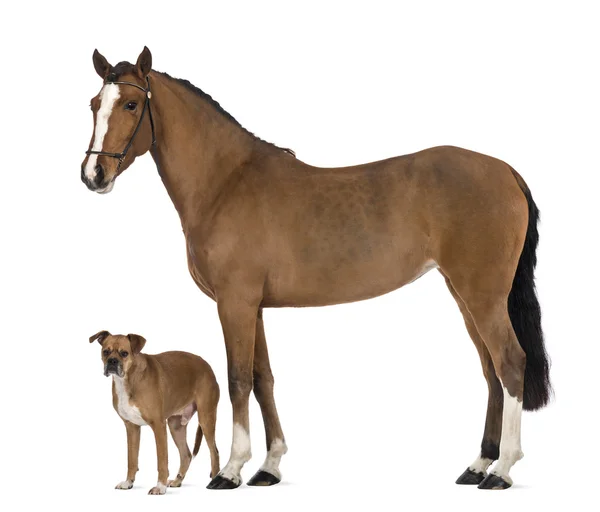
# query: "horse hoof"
{"type": "Point", "coordinates": [220, 482]}
{"type": "Point", "coordinates": [263, 479]}
{"type": "Point", "coordinates": [470, 477]}
{"type": "Point", "coordinates": [494, 482]}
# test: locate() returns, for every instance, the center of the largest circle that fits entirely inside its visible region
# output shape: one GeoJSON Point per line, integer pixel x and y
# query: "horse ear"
{"type": "Point", "coordinates": [137, 342]}
{"type": "Point", "coordinates": [144, 63]}
{"type": "Point", "coordinates": [100, 336]}
{"type": "Point", "coordinates": [101, 65]}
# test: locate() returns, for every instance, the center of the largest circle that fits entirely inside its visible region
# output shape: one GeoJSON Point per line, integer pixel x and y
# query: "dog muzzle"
{"type": "Point", "coordinates": [113, 369]}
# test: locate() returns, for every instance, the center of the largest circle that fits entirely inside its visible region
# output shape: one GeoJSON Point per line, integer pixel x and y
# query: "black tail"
{"type": "Point", "coordinates": [525, 315]}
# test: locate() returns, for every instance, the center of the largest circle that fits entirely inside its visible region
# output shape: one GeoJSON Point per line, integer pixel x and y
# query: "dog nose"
{"type": "Point", "coordinates": [99, 176]}
{"type": "Point", "coordinates": [113, 360]}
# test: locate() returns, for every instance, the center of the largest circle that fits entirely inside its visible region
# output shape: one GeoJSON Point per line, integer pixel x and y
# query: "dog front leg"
{"type": "Point", "coordinates": [133, 450]}
{"type": "Point", "coordinates": [160, 435]}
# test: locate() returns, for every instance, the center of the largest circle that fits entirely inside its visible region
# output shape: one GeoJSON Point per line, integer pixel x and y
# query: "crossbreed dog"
{"type": "Point", "coordinates": [155, 390]}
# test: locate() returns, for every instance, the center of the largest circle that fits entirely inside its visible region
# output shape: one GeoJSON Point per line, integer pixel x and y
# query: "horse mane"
{"type": "Point", "coordinates": [199, 92]}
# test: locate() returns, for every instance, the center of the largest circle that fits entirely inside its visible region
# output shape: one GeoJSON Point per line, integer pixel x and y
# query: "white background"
{"type": "Point", "coordinates": [382, 402]}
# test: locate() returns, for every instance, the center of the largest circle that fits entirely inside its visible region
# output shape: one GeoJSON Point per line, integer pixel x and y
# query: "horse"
{"type": "Point", "coordinates": [265, 230]}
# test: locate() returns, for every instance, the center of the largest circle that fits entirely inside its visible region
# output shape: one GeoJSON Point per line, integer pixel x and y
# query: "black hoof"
{"type": "Point", "coordinates": [220, 482]}
{"type": "Point", "coordinates": [470, 477]}
{"type": "Point", "coordinates": [494, 482]}
{"type": "Point", "coordinates": [263, 479]}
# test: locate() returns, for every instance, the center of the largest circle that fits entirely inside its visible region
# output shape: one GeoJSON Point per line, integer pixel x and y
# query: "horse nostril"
{"type": "Point", "coordinates": [99, 177]}
{"type": "Point", "coordinates": [82, 172]}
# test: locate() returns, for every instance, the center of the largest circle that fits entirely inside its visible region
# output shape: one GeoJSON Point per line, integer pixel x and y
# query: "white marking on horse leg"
{"type": "Point", "coordinates": [108, 96]}
{"type": "Point", "coordinates": [240, 454]}
{"type": "Point", "coordinates": [481, 465]}
{"type": "Point", "coordinates": [276, 451]}
{"type": "Point", "coordinates": [510, 442]}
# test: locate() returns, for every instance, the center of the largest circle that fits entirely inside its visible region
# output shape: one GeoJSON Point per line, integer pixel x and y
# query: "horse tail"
{"type": "Point", "coordinates": [197, 441]}
{"type": "Point", "coordinates": [525, 314]}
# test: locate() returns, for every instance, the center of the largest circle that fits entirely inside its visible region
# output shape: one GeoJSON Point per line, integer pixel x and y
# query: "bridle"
{"type": "Point", "coordinates": [121, 156]}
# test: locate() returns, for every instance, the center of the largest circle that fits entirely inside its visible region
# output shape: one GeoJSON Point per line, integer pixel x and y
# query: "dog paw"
{"type": "Point", "coordinates": [124, 485]}
{"type": "Point", "coordinates": [175, 483]}
{"type": "Point", "coordinates": [159, 489]}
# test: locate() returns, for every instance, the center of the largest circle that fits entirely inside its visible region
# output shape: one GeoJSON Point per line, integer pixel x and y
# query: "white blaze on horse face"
{"type": "Point", "coordinates": [510, 442]}
{"type": "Point", "coordinates": [240, 454]}
{"type": "Point", "coordinates": [108, 96]}
{"type": "Point", "coordinates": [277, 449]}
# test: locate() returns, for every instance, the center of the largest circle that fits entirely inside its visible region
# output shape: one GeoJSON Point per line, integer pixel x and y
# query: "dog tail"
{"type": "Point", "coordinates": [198, 441]}
{"type": "Point", "coordinates": [525, 315]}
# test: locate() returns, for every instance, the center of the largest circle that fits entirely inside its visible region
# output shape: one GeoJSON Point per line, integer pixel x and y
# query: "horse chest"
{"type": "Point", "coordinates": [125, 408]}
{"type": "Point", "coordinates": [196, 264]}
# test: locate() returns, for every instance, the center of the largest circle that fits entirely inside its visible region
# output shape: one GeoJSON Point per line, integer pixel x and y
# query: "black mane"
{"type": "Point", "coordinates": [196, 90]}
{"type": "Point", "coordinates": [124, 67]}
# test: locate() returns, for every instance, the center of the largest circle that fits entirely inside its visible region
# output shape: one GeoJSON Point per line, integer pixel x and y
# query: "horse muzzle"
{"type": "Point", "coordinates": [96, 179]}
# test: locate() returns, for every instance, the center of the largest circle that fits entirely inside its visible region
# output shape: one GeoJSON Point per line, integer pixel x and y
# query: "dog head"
{"type": "Point", "coordinates": [118, 351]}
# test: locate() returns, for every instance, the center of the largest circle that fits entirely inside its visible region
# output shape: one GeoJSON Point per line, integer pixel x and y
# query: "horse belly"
{"type": "Point", "coordinates": [322, 284]}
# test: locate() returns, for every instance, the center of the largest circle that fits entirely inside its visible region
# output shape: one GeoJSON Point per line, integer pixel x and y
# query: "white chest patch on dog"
{"type": "Point", "coordinates": [126, 410]}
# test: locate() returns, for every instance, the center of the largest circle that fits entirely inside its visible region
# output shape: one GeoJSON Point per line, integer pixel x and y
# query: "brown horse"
{"type": "Point", "coordinates": [264, 229]}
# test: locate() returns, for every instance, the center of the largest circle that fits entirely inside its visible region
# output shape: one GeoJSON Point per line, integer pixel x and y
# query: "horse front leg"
{"type": "Point", "coordinates": [269, 473]}
{"type": "Point", "coordinates": [238, 319]}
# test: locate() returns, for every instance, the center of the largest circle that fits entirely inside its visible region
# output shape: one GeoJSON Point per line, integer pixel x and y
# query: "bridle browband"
{"type": "Point", "coordinates": [121, 156]}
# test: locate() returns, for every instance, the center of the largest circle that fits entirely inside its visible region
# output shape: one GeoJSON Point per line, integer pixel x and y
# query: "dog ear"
{"type": "Point", "coordinates": [137, 342]}
{"type": "Point", "coordinates": [101, 65]}
{"type": "Point", "coordinates": [144, 63]}
{"type": "Point", "coordinates": [99, 336]}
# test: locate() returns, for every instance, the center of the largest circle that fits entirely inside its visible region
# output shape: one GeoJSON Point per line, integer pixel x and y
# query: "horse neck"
{"type": "Point", "coordinates": [197, 148]}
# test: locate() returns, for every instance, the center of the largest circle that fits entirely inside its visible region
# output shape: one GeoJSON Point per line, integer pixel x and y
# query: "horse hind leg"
{"type": "Point", "coordinates": [490, 315]}
{"type": "Point", "coordinates": [477, 471]}
{"type": "Point", "coordinates": [509, 362]}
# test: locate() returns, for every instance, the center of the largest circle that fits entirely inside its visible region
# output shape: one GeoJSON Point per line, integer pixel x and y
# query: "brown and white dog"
{"type": "Point", "coordinates": [159, 389]}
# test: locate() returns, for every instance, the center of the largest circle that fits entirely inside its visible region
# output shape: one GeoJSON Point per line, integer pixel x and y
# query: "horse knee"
{"type": "Point", "coordinates": [263, 385]}
{"type": "Point", "coordinates": [240, 386]}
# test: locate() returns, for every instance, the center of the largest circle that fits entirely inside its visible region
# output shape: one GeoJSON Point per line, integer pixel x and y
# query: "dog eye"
{"type": "Point", "coordinates": [124, 353]}
{"type": "Point", "coordinates": [106, 352]}
{"type": "Point", "coordinates": [131, 105]}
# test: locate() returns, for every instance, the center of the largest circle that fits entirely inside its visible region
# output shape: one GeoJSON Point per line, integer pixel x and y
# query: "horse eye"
{"type": "Point", "coordinates": [131, 105]}
{"type": "Point", "coordinates": [124, 353]}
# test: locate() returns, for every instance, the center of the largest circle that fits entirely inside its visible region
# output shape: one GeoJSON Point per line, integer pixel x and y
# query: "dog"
{"type": "Point", "coordinates": [157, 390]}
